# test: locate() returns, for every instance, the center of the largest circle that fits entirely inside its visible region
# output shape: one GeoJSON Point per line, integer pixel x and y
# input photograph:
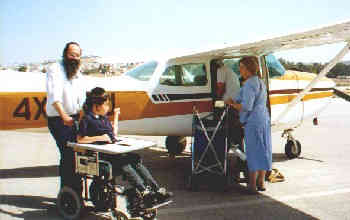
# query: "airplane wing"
{"type": "Point", "coordinates": [326, 35]}
{"type": "Point", "coordinates": [336, 33]}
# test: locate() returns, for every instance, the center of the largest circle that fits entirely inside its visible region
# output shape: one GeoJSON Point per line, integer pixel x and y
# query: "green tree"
{"type": "Point", "coordinates": [23, 68]}
{"type": "Point", "coordinates": [339, 69]}
{"type": "Point", "coordinates": [316, 68]}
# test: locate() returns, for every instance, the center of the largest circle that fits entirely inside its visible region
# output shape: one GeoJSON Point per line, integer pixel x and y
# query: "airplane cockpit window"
{"type": "Point", "coordinates": [172, 76]}
{"type": "Point", "coordinates": [195, 74]}
{"type": "Point", "coordinates": [185, 75]}
{"type": "Point", "coordinates": [275, 67]}
{"type": "Point", "coordinates": [143, 72]}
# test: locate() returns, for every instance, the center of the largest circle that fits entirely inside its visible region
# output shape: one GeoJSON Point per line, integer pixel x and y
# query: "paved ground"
{"type": "Point", "coordinates": [317, 184]}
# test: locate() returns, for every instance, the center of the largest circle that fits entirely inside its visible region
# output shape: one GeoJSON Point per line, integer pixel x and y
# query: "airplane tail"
{"type": "Point", "coordinates": [341, 94]}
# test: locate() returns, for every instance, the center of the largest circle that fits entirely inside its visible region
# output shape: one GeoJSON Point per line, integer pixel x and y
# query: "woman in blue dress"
{"type": "Point", "coordinates": [254, 115]}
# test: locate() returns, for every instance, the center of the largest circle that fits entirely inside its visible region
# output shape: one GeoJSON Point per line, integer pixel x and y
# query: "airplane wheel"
{"type": "Point", "coordinates": [175, 144]}
{"type": "Point", "coordinates": [69, 203]}
{"type": "Point", "coordinates": [291, 150]}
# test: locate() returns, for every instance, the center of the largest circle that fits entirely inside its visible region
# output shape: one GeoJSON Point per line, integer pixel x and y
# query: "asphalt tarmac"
{"type": "Point", "coordinates": [316, 186]}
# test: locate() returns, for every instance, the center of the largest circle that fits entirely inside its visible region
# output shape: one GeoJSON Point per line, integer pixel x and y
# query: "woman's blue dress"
{"type": "Point", "coordinates": [255, 117]}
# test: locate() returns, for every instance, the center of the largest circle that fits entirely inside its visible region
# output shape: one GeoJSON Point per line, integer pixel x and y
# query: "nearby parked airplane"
{"type": "Point", "coordinates": [157, 98]}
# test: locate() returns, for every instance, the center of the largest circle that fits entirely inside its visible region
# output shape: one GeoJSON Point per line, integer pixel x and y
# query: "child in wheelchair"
{"type": "Point", "coordinates": [95, 128]}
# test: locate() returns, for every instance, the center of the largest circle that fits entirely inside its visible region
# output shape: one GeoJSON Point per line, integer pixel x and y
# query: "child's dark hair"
{"type": "Point", "coordinates": [97, 96]}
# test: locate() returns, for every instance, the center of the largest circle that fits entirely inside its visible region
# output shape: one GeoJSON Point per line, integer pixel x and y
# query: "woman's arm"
{"type": "Point", "coordinates": [233, 104]}
{"type": "Point", "coordinates": [237, 106]}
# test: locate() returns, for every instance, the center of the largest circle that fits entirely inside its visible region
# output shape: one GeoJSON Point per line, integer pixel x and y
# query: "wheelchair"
{"type": "Point", "coordinates": [117, 201]}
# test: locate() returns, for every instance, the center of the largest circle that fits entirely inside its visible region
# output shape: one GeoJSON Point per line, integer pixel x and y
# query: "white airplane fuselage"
{"type": "Point", "coordinates": [149, 107]}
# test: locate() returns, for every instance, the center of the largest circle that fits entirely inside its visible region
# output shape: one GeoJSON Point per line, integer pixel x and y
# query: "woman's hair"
{"type": "Point", "coordinates": [251, 63]}
{"type": "Point", "coordinates": [97, 96]}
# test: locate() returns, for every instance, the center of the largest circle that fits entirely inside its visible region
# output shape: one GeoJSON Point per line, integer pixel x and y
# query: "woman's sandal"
{"type": "Point", "coordinates": [251, 191]}
{"type": "Point", "coordinates": [260, 188]}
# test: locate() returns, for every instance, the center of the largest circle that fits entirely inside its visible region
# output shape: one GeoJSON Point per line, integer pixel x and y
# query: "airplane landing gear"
{"type": "Point", "coordinates": [293, 146]}
{"type": "Point", "coordinates": [175, 144]}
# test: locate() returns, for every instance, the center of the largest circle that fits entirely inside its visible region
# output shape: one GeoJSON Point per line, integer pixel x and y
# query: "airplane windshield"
{"type": "Point", "coordinates": [143, 72]}
{"type": "Point", "coordinates": [275, 67]}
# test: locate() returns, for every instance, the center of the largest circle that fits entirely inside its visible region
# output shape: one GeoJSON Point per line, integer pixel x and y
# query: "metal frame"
{"type": "Point", "coordinates": [198, 167]}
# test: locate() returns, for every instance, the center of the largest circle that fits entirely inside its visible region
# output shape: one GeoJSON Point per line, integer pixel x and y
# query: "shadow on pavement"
{"type": "Point", "coordinates": [210, 203]}
{"type": "Point", "coordinates": [305, 158]}
{"type": "Point", "coordinates": [279, 157]}
{"type": "Point", "coordinates": [29, 172]}
{"type": "Point", "coordinates": [45, 207]}
{"type": "Point", "coordinates": [171, 173]}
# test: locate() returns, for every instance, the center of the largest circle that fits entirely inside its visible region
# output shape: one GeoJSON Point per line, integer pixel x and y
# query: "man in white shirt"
{"type": "Point", "coordinates": [66, 93]}
{"type": "Point", "coordinates": [227, 88]}
{"type": "Point", "coordinates": [227, 82]}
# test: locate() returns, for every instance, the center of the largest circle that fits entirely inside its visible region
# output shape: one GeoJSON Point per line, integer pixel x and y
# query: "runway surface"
{"type": "Point", "coordinates": [317, 184]}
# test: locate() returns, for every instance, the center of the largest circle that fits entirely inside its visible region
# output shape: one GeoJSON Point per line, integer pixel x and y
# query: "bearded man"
{"type": "Point", "coordinates": [66, 92]}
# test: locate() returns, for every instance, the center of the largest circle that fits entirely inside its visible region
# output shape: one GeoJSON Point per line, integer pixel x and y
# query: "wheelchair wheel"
{"type": "Point", "coordinates": [118, 216]}
{"type": "Point", "coordinates": [150, 215]}
{"type": "Point", "coordinates": [101, 195]}
{"type": "Point", "coordinates": [69, 203]}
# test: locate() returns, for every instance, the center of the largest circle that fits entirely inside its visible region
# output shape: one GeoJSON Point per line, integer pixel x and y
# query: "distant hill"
{"type": "Point", "coordinates": [346, 62]}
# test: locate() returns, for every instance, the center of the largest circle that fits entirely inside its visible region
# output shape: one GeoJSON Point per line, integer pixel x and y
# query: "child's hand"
{"type": "Point", "coordinates": [115, 122]}
{"type": "Point", "coordinates": [116, 111]}
{"type": "Point", "coordinates": [106, 138]}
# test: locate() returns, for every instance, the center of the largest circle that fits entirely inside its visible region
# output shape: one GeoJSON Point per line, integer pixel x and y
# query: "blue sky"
{"type": "Point", "coordinates": [33, 31]}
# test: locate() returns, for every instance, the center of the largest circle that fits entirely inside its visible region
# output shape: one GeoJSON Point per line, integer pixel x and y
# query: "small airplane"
{"type": "Point", "coordinates": [157, 97]}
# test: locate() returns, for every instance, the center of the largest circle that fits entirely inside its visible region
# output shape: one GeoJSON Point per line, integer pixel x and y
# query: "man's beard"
{"type": "Point", "coordinates": [71, 66]}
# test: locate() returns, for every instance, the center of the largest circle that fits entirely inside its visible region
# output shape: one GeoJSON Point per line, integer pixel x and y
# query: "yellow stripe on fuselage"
{"type": "Point", "coordinates": [27, 109]}
{"type": "Point", "coordinates": [286, 98]}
